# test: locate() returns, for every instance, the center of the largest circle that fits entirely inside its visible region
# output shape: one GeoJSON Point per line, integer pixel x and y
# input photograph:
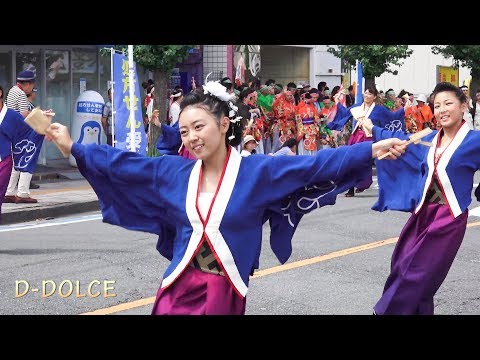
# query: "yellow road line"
{"type": "Point", "coordinates": [269, 271]}
{"type": "Point", "coordinates": [265, 272]}
{"type": "Point", "coordinates": [122, 307]}
{"type": "Point", "coordinates": [316, 259]}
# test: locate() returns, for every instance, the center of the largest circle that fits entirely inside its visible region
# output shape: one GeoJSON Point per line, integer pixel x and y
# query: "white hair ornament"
{"type": "Point", "coordinates": [215, 89]}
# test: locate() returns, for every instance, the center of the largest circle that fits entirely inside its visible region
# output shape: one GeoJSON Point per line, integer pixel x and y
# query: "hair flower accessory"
{"type": "Point", "coordinates": [216, 89]}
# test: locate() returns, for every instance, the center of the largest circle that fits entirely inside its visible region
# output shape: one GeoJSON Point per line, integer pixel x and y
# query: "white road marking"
{"type": "Point", "coordinates": [47, 223]}
{"type": "Point", "coordinates": [474, 212]}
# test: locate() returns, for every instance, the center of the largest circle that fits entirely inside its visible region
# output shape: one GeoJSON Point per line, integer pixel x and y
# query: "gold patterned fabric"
{"type": "Point", "coordinates": [205, 261]}
{"type": "Point", "coordinates": [435, 194]}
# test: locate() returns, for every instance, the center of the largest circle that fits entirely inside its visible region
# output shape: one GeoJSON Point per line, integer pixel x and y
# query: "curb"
{"type": "Point", "coordinates": [25, 215]}
{"type": "Point", "coordinates": [52, 176]}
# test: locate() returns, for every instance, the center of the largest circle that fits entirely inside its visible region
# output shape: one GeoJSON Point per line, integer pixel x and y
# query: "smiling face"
{"type": "Point", "coordinates": [368, 97]}
{"type": "Point", "coordinates": [202, 133]}
{"type": "Point", "coordinates": [448, 109]}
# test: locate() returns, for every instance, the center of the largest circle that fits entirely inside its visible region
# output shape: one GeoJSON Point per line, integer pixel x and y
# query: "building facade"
{"type": "Point", "coordinates": [283, 63]}
{"type": "Point", "coordinates": [60, 73]}
{"type": "Point", "coordinates": [418, 73]}
{"type": "Point", "coordinates": [63, 71]}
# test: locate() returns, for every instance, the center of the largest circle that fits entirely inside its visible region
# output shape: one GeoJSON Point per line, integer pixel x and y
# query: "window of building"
{"type": "Point", "coordinates": [84, 66]}
{"type": "Point", "coordinates": [6, 70]}
{"type": "Point", "coordinates": [57, 76]}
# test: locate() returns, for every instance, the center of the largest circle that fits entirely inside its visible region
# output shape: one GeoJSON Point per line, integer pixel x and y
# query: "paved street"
{"type": "Point", "coordinates": [340, 261]}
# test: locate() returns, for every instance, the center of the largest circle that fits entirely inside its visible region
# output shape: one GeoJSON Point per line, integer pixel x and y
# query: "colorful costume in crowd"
{"type": "Point", "coordinates": [161, 196]}
{"type": "Point", "coordinates": [307, 128]}
{"type": "Point", "coordinates": [420, 114]}
{"type": "Point", "coordinates": [264, 102]}
{"type": "Point", "coordinates": [331, 138]}
{"type": "Point", "coordinates": [410, 123]}
{"type": "Point", "coordinates": [436, 187]}
{"type": "Point", "coordinates": [285, 112]}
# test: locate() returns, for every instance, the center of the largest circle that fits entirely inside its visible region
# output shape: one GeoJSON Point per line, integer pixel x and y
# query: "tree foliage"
{"type": "Point", "coordinates": [375, 59]}
{"type": "Point", "coordinates": [463, 55]}
{"type": "Point", "coordinates": [156, 57]}
{"type": "Point", "coordinates": [466, 56]}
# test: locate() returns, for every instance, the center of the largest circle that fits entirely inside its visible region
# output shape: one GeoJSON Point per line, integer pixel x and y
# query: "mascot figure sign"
{"type": "Point", "coordinates": [87, 122]}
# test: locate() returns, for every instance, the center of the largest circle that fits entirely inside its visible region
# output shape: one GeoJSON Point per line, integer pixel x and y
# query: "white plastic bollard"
{"type": "Point", "coordinates": [87, 121]}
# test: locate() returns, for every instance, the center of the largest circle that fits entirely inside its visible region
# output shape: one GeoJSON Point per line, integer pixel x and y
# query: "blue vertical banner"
{"type": "Point", "coordinates": [359, 92]}
{"type": "Point", "coordinates": [121, 108]}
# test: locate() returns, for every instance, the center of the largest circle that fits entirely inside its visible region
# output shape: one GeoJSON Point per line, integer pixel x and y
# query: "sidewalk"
{"type": "Point", "coordinates": [63, 191]}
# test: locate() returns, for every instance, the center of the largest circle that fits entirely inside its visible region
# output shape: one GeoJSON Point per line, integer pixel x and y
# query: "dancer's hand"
{"type": "Point", "coordinates": [367, 124]}
{"type": "Point", "coordinates": [154, 119]}
{"type": "Point", "coordinates": [395, 146]}
{"type": "Point", "coordinates": [58, 133]}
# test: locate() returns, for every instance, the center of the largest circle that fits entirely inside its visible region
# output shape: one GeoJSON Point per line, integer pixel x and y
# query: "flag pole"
{"type": "Point", "coordinates": [359, 90]}
{"type": "Point", "coordinates": [131, 88]}
{"type": "Point", "coordinates": [112, 50]}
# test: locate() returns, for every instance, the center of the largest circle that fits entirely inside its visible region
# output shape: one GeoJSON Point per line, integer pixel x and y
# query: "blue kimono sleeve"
{"type": "Point", "coordinates": [26, 150]}
{"type": "Point", "coordinates": [339, 167]}
{"type": "Point", "coordinates": [166, 236]}
{"type": "Point", "coordinates": [131, 190]}
{"type": "Point", "coordinates": [26, 143]}
{"type": "Point", "coordinates": [399, 181]}
{"type": "Point", "coordinates": [285, 217]}
{"type": "Point", "coordinates": [301, 184]}
{"type": "Point", "coordinates": [341, 118]}
{"type": "Point", "coordinates": [393, 121]}
{"type": "Point", "coordinates": [170, 140]}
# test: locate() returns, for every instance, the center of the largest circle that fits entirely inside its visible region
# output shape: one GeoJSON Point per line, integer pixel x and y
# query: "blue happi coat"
{"type": "Point", "coordinates": [170, 140]}
{"type": "Point", "coordinates": [159, 195]}
{"type": "Point", "coordinates": [403, 184]}
{"type": "Point", "coordinates": [379, 114]}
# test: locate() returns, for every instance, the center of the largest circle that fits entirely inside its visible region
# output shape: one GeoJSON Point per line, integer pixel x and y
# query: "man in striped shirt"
{"type": "Point", "coordinates": [18, 101]}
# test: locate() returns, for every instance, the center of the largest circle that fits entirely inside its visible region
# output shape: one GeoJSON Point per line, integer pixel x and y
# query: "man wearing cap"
{"type": "Point", "coordinates": [17, 100]}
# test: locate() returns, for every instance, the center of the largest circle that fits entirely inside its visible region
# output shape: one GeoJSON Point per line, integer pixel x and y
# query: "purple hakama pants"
{"type": "Point", "coordinates": [5, 172]}
{"type": "Point", "coordinates": [421, 260]}
{"type": "Point", "coordinates": [199, 293]}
